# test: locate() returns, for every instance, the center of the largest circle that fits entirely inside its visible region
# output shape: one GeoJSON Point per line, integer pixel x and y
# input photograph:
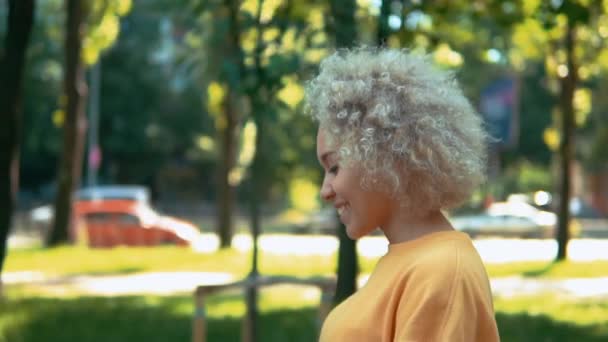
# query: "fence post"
{"type": "Point", "coordinates": [326, 303]}
{"type": "Point", "coordinates": [248, 325]}
{"type": "Point", "coordinates": [199, 324]}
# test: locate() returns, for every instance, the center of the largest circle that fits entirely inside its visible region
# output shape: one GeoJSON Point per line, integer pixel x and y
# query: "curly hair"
{"type": "Point", "coordinates": [405, 122]}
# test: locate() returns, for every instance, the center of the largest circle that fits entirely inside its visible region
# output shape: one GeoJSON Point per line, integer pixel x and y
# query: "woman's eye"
{"type": "Point", "coordinates": [333, 169]}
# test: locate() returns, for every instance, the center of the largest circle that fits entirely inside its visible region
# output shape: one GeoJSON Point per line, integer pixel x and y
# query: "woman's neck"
{"type": "Point", "coordinates": [402, 228]}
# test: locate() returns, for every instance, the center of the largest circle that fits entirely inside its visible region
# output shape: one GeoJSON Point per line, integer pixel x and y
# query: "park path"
{"type": "Point", "coordinates": [168, 283]}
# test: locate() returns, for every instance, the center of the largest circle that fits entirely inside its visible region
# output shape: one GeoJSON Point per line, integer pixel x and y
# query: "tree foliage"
{"type": "Point", "coordinates": [570, 39]}
{"type": "Point", "coordinates": [256, 80]}
{"type": "Point", "coordinates": [172, 56]}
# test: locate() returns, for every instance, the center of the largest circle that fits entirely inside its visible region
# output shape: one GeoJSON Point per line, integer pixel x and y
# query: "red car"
{"type": "Point", "coordinates": [114, 216]}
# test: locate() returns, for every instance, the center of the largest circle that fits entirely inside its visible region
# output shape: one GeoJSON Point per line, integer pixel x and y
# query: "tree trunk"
{"type": "Point", "coordinates": [70, 167]}
{"type": "Point", "coordinates": [257, 182]}
{"type": "Point", "coordinates": [256, 193]}
{"type": "Point", "coordinates": [226, 190]}
{"type": "Point", "coordinates": [566, 102]}
{"type": "Point", "coordinates": [383, 27]}
{"type": "Point", "coordinates": [345, 33]}
{"type": "Point", "coordinates": [12, 64]}
{"type": "Point", "coordinates": [230, 132]}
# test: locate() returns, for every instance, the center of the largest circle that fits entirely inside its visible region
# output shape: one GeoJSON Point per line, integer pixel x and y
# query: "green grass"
{"type": "Point", "coordinates": [560, 270]}
{"type": "Point", "coordinates": [550, 318]}
{"type": "Point", "coordinates": [287, 314]}
{"type": "Point", "coordinates": [284, 317]}
{"type": "Point", "coordinates": [69, 260]}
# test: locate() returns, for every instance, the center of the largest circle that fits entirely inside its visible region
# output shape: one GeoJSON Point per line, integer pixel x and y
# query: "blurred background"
{"type": "Point", "coordinates": [148, 147]}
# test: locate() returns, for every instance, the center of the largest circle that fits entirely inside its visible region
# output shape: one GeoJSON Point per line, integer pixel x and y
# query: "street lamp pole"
{"type": "Point", "coordinates": [94, 152]}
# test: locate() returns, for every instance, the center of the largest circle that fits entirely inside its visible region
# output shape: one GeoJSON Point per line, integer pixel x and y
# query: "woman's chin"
{"type": "Point", "coordinates": [354, 233]}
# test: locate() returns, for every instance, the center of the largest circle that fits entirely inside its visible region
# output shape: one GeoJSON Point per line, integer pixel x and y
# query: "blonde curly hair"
{"type": "Point", "coordinates": [405, 122]}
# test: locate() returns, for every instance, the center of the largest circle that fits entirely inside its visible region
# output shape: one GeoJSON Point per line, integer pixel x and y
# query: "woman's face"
{"type": "Point", "coordinates": [361, 211]}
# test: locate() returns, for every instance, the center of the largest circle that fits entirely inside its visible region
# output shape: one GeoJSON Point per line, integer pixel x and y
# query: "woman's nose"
{"type": "Point", "coordinates": [327, 192]}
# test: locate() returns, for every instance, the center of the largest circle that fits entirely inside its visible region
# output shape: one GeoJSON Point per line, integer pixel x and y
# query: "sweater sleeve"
{"type": "Point", "coordinates": [444, 299]}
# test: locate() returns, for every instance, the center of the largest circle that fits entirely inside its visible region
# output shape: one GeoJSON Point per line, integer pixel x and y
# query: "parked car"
{"type": "Point", "coordinates": [108, 216]}
{"type": "Point", "coordinates": [109, 223]}
{"type": "Point", "coordinates": [322, 221]}
{"type": "Point", "coordinates": [508, 219]}
{"type": "Point", "coordinates": [116, 192]}
{"type": "Point", "coordinates": [500, 225]}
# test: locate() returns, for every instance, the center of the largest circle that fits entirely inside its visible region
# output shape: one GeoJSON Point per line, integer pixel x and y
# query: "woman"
{"type": "Point", "coordinates": [399, 143]}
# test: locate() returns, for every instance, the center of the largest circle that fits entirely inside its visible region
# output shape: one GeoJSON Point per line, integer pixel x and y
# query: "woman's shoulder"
{"type": "Point", "coordinates": [446, 258]}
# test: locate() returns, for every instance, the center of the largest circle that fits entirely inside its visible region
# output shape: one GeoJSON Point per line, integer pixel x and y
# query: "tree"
{"type": "Point", "coordinates": [12, 64]}
{"type": "Point", "coordinates": [569, 38]}
{"type": "Point", "coordinates": [272, 64]}
{"type": "Point", "coordinates": [100, 37]}
{"type": "Point", "coordinates": [273, 38]}
{"type": "Point", "coordinates": [227, 71]}
{"type": "Point", "coordinates": [567, 87]}
{"type": "Point", "coordinates": [41, 142]}
{"type": "Point", "coordinates": [152, 107]}
{"type": "Point", "coordinates": [68, 176]}
{"type": "Point", "coordinates": [219, 66]}
{"type": "Point", "coordinates": [566, 36]}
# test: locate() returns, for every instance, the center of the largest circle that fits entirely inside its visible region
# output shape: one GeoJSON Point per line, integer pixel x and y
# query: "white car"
{"type": "Point", "coordinates": [508, 219]}
{"type": "Point", "coordinates": [323, 221]}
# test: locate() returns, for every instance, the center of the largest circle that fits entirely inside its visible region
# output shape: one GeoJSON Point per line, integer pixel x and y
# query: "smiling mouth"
{"type": "Point", "coordinates": [341, 209]}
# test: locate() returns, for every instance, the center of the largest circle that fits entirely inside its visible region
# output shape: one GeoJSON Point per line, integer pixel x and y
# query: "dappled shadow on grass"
{"type": "Point", "coordinates": [93, 319]}
{"type": "Point", "coordinates": [114, 272]}
{"type": "Point", "coordinates": [156, 319]}
{"type": "Point", "coordinates": [526, 327]}
{"type": "Point", "coordinates": [544, 270]}
{"type": "Point", "coordinates": [289, 325]}
{"type": "Point", "coordinates": [540, 271]}
{"type": "Point", "coordinates": [151, 319]}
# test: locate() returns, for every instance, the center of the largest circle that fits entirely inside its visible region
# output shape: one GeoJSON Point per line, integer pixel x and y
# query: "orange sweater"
{"type": "Point", "coordinates": [434, 288]}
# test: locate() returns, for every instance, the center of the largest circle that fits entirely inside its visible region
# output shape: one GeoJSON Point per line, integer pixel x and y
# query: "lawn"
{"type": "Point", "coordinates": [288, 313]}
{"type": "Point", "coordinates": [69, 260]}
{"type": "Point", "coordinates": [151, 318]}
